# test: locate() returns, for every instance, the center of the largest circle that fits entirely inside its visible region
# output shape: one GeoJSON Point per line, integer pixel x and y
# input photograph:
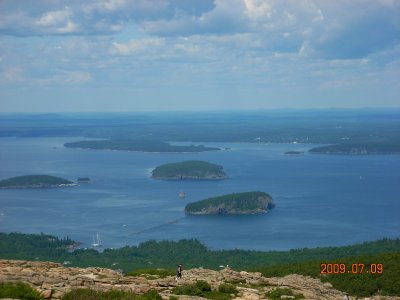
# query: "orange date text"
{"type": "Point", "coordinates": [354, 268]}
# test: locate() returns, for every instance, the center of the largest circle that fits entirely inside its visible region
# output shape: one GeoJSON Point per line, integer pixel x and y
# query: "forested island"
{"type": "Point", "coordinates": [232, 204]}
{"type": "Point", "coordinates": [34, 181]}
{"type": "Point", "coordinates": [137, 145]}
{"type": "Point", "coordinates": [360, 148]}
{"type": "Point", "coordinates": [192, 169]}
{"type": "Point", "coordinates": [294, 152]}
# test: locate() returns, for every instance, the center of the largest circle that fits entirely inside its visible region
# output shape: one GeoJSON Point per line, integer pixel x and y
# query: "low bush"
{"type": "Point", "coordinates": [19, 290]}
{"type": "Point", "coordinates": [227, 288]}
{"type": "Point", "coordinates": [87, 294]}
{"type": "Point", "coordinates": [152, 295]}
{"type": "Point", "coordinates": [203, 289]}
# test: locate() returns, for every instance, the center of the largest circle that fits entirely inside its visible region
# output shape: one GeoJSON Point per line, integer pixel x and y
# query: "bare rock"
{"type": "Point", "coordinates": [46, 294]}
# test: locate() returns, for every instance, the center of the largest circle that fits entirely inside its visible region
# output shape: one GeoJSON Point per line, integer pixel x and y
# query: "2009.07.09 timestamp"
{"type": "Point", "coordinates": [356, 268]}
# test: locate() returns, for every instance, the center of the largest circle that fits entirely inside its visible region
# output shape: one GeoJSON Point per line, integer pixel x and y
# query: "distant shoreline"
{"type": "Point", "coordinates": [137, 145]}
{"type": "Point", "coordinates": [36, 186]}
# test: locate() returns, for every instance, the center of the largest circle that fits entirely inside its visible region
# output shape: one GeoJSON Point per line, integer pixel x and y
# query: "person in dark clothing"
{"type": "Point", "coordinates": [178, 272]}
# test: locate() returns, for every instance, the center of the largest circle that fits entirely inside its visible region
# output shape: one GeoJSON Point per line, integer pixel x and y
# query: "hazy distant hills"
{"type": "Point", "coordinates": [283, 126]}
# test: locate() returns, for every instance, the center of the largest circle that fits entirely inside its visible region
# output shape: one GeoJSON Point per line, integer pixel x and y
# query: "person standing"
{"type": "Point", "coordinates": [178, 272]}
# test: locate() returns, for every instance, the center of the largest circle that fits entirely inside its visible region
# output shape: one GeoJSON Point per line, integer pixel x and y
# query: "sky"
{"type": "Point", "coordinates": [161, 55]}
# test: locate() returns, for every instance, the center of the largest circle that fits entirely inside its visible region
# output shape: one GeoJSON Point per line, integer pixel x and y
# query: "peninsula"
{"type": "Point", "coordinates": [137, 145]}
{"type": "Point", "coordinates": [232, 204]}
{"type": "Point", "coordinates": [192, 169]}
{"type": "Point", "coordinates": [34, 181]}
{"type": "Point", "coordinates": [360, 148]}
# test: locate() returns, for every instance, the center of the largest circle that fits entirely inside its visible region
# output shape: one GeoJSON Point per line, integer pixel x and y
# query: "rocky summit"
{"type": "Point", "coordinates": [53, 280]}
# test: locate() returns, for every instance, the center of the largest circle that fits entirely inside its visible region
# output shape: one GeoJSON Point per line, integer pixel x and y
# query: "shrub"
{"type": "Point", "coordinates": [152, 295]}
{"type": "Point", "coordinates": [203, 286]}
{"type": "Point", "coordinates": [203, 289]}
{"type": "Point", "coordinates": [277, 293]}
{"type": "Point", "coordinates": [227, 288]}
{"type": "Point", "coordinates": [19, 290]}
{"type": "Point", "coordinates": [187, 289]}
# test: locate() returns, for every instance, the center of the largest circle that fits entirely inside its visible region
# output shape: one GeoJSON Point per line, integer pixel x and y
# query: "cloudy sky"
{"type": "Point", "coordinates": [137, 55]}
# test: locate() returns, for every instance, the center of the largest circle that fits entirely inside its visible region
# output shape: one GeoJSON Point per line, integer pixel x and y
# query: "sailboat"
{"type": "Point", "coordinates": [96, 241]}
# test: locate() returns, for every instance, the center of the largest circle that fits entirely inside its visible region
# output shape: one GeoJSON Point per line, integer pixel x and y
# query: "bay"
{"type": "Point", "coordinates": [321, 200]}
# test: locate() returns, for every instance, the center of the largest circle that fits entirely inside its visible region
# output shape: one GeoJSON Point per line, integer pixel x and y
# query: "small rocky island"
{"type": "Point", "coordinates": [189, 170]}
{"type": "Point", "coordinates": [34, 181]}
{"type": "Point", "coordinates": [294, 152]}
{"type": "Point", "coordinates": [232, 204]}
{"type": "Point", "coordinates": [83, 180]}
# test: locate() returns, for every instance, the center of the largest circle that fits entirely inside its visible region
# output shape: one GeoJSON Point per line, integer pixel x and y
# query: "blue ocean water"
{"type": "Point", "coordinates": [321, 200]}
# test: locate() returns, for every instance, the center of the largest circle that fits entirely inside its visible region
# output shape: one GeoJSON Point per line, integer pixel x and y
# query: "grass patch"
{"type": "Point", "coordinates": [151, 273]}
{"type": "Point", "coordinates": [237, 281]}
{"type": "Point", "coordinates": [258, 286]}
{"type": "Point", "coordinates": [203, 289]}
{"type": "Point", "coordinates": [19, 290]}
{"type": "Point", "coordinates": [88, 294]}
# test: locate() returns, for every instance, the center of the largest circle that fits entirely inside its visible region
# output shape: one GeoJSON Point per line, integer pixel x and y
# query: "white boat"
{"type": "Point", "coordinates": [96, 241]}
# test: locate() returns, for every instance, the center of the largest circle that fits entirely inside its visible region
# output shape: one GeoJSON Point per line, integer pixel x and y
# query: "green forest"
{"type": "Point", "coordinates": [167, 254]}
{"type": "Point", "coordinates": [189, 169]}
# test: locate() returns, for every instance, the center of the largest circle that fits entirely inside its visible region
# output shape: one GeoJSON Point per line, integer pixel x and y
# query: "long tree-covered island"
{"type": "Point", "coordinates": [34, 181]}
{"type": "Point", "coordinates": [360, 148]}
{"type": "Point", "coordinates": [192, 170]}
{"type": "Point", "coordinates": [232, 204]}
{"type": "Point", "coordinates": [137, 145]}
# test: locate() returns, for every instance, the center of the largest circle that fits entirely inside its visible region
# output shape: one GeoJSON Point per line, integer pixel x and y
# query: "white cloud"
{"type": "Point", "coordinates": [268, 44]}
{"type": "Point", "coordinates": [58, 22]}
{"type": "Point", "coordinates": [258, 9]}
{"type": "Point", "coordinates": [54, 18]}
{"type": "Point", "coordinates": [319, 17]}
{"type": "Point", "coordinates": [12, 75]}
{"type": "Point", "coordinates": [137, 46]}
{"type": "Point", "coordinates": [77, 77]}
{"type": "Point", "coordinates": [112, 5]}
